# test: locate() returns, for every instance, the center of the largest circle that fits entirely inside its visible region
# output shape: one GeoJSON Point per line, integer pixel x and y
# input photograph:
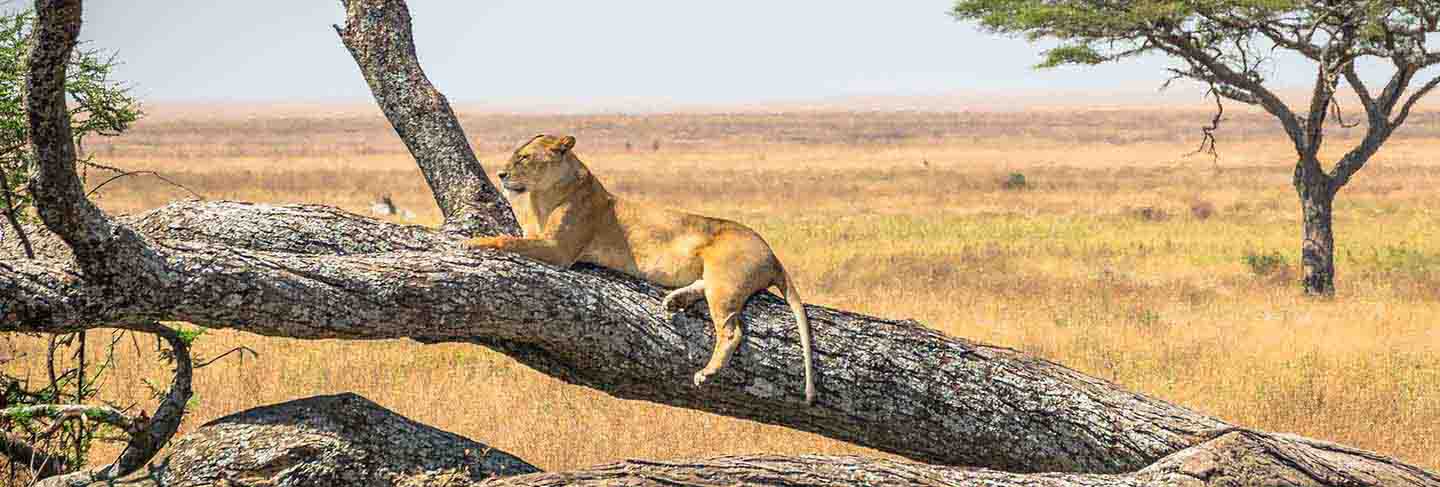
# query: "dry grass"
{"type": "Point", "coordinates": [901, 215]}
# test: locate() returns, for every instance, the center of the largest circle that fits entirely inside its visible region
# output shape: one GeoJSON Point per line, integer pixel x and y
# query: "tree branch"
{"type": "Point", "coordinates": [602, 329]}
{"type": "Point", "coordinates": [82, 412]}
{"type": "Point", "coordinates": [1182, 47]}
{"type": "Point", "coordinates": [1269, 460]}
{"type": "Point", "coordinates": [1363, 93]}
{"type": "Point", "coordinates": [40, 463]}
{"type": "Point", "coordinates": [1381, 125]}
{"type": "Point", "coordinates": [1395, 88]}
{"type": "Point", "coordinates": [377, 33]}
{"type": "Point", "coordinates": [1321, 97]}
{"type": "Point", "coordinates": [125, 174]}
{"type": "Point", "coordinates": [1415, 98]}
{"type": "Point", "coordinates": [67, 212]}
{"type": "Point", "coordinates": [102, 249]}
{"type": "Point", "coordinates": [147, 435]}
{"type": "Point", "coordinates": [359, 436]}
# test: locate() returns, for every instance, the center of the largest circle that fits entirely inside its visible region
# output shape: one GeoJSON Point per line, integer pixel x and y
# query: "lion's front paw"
{"type": "Point", "coordinates": [671, 305]}
{"type": "Point", "coordinates": [482, 243]}
{"type": "Point", "coordinates": [700, 378]}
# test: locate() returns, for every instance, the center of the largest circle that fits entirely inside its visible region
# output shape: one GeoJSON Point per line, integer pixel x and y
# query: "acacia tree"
{"type": "Point", "coordinates": [1226, 43]}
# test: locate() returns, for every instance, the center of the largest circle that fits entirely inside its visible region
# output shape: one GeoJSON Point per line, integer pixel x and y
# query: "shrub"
{"type": "Point", "coordinates": [1152, 214]}
{"type": "Point", "coordinates": [1016, 181]}
{"type": "Point", "coordinates": [1401, 260]}
{"type": "Point", "coordinates": [1201, 209]}
{"type": "Point", "coordinates": [1265, 264]}
{"type": "Point", "coordinates": [1146, 317]}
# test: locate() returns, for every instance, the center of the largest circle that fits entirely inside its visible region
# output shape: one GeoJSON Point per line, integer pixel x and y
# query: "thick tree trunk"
{"type": "Point", "coordinates": [347, 440]}
{"type": "Point", "coordinates": [323, 441]}
{"type": "Point", "coordinates": [316, 272]}
{"type": "Point", "coordinates": [892, 385]}
{"type": "Point", "coordinates": [1317, 253]}
{"type": "Point", "coordinates": [1234, 459]}
{"type": "Point", "coordinates": [1317, 250]}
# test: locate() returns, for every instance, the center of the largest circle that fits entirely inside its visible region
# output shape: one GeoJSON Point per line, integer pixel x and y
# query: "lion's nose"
{"type": "Point", "coordinates": [503, 174]}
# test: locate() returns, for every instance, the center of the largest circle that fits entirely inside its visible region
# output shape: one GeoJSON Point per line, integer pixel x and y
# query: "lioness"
{"type": "Point", "coordinates": [567, 216]}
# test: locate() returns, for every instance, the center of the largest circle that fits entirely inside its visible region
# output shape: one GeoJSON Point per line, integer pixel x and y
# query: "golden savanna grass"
{"type": "Point", "coordinates": [1121, 258]}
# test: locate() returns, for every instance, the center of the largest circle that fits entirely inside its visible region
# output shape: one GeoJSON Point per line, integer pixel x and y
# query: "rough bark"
{"type": "Point", "coordinates": [1237, 458]}
{"type": "Point", "coordinates": [325, 441]}
{"type": "Point", "coordinates": [377, 33]}
{"type": "Point", "coordinates": [103, 250]}
{"type": "Point", "coordinates": [347, 440]}
{"type": "Point", "coordinates": [1317, 248]}
{"type": "Point", "coordinates": [892, 385]}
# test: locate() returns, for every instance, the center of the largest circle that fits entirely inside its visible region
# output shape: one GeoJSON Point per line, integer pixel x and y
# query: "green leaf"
{"type": "Point", "coordinates": [189, 335]}
{"type": "Point", "coordinates": [1074, 54]}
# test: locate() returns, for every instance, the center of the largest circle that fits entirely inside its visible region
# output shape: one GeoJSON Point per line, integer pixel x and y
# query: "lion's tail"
{"type": "Point", "coordinates": [792, 296]}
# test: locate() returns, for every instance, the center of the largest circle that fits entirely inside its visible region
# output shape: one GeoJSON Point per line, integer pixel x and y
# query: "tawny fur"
{"type": "Point", "coordinates": [568, 217]}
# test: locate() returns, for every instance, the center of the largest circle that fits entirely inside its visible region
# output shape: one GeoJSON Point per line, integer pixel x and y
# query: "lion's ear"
{"type": "Point", "coordinates": [566, 143]}
{"type": "Point", "coordinates": [528, 142]}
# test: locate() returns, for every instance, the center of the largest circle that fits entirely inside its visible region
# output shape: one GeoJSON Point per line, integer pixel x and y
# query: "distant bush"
{"type": "Point", "coordinates": [1016, 181]}
{"type": "Point", "coordinates": [1412, 273]}
{"type": "Point", "coordinates": [1152, 214]}
{"type": "Point", "coordinates": [1201, 209]}
{"type": "Point", "coordinates": [1400, 260]}
{"type": "Point", "coordinates": [1265, 264]}
{"type": "Point", "coordinates": [1146, 317]}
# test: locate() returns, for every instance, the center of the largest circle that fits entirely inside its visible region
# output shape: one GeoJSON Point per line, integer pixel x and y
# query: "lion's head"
{"type": "Point", "coordinates": [542, 164]}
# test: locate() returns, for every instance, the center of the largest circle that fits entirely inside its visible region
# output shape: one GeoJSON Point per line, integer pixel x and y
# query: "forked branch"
{"type": "Point", "coordinates": [147, 435]}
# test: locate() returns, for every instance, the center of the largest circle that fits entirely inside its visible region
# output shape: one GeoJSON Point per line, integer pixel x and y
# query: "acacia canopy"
{"type": "Point", "coordinates": [1225, 43]}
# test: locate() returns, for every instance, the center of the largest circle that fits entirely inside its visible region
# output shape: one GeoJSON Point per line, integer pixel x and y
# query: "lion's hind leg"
{"type": "Point", "coordinates": [727, 338]}
{"type": "Point", "coordinates": [682, 298]}
{"type": "Point", "coordinates": [727, 287]}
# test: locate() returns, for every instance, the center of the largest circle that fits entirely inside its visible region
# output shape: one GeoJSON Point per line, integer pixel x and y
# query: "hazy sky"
{"type": "Point", "coordinates": [676, 51]}
{"type": "Point", "coordinates": [589, 52]}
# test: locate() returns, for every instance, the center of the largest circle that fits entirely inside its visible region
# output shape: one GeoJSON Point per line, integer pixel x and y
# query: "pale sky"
{"type": "Point", "coordinates": [598, 53]}
{"type": "Point", "coordinates": [679, 51]}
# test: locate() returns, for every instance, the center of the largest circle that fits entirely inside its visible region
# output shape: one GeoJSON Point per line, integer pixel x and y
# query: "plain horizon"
{"type": "Point", "coordinates": [627, 56]}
